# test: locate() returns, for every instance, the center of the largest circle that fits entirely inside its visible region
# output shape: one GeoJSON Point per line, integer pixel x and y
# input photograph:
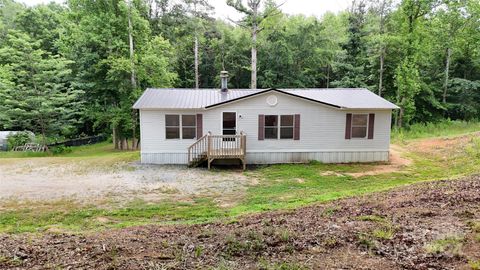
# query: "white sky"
{"type": "Point", "coordinates": [306, 7]}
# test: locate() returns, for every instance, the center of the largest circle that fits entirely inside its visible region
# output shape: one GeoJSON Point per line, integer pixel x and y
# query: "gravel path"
{"type": "Point", "coordinates": [56, 178]}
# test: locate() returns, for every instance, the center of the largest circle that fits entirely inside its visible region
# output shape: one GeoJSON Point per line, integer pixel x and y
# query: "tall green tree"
{"type": "Point", "coordinates": [407, 75]}
{"type": "Point", "coordinates": [39, 97]}
{"type": "Point", "coordinates": [254, 16]}
{"type": "Point", "coordinates": [351, 69]}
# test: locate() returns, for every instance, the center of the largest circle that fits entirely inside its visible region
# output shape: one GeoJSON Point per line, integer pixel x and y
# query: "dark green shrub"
{"type": "Point", "coordinates": [61, 149]}
{"type": "Point", "coordinates": [19, 139]}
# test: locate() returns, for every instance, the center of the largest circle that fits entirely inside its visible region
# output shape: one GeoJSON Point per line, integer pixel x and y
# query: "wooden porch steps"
{"type": "Point", "coordinates": [211, 147]}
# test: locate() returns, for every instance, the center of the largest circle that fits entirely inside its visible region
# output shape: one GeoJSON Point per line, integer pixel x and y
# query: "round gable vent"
{"type": "Point", "coordinates": [272, 100]}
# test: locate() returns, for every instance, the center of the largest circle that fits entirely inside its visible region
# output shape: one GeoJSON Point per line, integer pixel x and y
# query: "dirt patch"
{"type": "Point", "coordinates": [52, 179]}
{"type": "Point", "coordinates": [397, 162]}
{"type": "Point", "coordinates": [437, 145]}
{"type": "Point", "coordinates": [433, 146]}
{"type": "Point", "coordinates": [407, 228]}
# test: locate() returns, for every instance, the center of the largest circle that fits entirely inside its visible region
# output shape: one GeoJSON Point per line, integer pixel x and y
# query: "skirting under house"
{"type": "Point", "coordinates": [278, 157]}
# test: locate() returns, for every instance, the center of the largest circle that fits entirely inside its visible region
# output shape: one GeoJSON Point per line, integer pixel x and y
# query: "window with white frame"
{"type": "Point", "coordinates": [359, 126]}
{"type": "Point", "coordinates": [180, 126]}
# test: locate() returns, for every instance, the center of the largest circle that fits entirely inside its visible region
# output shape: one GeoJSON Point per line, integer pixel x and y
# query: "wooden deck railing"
{"type": "Point", "coordinates": [211, 147]}
{"type": "Point", "coordinates": [198, 151]}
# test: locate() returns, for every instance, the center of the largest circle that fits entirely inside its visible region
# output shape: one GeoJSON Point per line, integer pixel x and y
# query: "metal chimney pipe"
{"type": "Point", "coordinates": [224, 80]}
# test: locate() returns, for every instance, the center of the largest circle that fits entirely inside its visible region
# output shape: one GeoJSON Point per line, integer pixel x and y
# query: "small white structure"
{"type": "Point", "coordinates": [4, 138]}
{"type": "Point", "coordinates": [187, 126]}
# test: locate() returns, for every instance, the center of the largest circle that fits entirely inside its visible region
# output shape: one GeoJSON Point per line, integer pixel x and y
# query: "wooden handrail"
{"type": "Point", "coordinates": [198, 149]}
{"type": "Point", "coordinates": [210, 147]}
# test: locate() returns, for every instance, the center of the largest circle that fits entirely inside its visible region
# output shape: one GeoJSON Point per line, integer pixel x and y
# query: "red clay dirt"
{"type": "Point", "coordinates": [406, 228]}
{"type": "Point", "coordinates": [397, 162]}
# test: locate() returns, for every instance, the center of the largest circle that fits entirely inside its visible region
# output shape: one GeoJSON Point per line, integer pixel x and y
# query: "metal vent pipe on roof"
{"type": "Point", "coordinates": [224, 80]}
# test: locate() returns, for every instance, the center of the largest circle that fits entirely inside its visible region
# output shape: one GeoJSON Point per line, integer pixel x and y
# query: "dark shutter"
{"type": "Point", "coordinates": [371, 125]}
{"type": "Point", "coordinates": [348, 127]}
{"type": "Point", "coordinates": [296, 127]}
{"type": "Point", "coordinates": [199, 126]}
{"type": "Point", "coordinates": [261, 127]}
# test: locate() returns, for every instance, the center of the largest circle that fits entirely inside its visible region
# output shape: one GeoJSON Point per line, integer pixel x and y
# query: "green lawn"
{"type": "Point", "coordinates": [99, 150]}
{"type": "Point", "coordinates": [429, 130]}
{"type": "Point", "coordinates": [279, 187]}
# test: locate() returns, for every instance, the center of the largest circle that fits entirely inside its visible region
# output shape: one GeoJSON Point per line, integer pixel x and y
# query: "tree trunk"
{"type": "Point", "coordinates": [132, 53]}
{"type": "Point", "coordinates": [253, 83]}
{"type": "Point", "coordinates": [447, 68]}
{"type": "Point", "coordinates": [197, 83]}
{"type": "Point", "coordinates": [400, 117]}
{"type": "Point", "coordinates": [328, 76]}
{"type": "Point", "coordinates": [134, 131]}
{"type": "Point", "coordinates": [382, 48]}
{"type": "Point", "coordinates": [132, 64]}
{"type": "Point", "coordinates": [115, 138]}
{"type": "Point", "coordinates": [401, 113]}
{"type": "Point", "coordinates": [380, 75]}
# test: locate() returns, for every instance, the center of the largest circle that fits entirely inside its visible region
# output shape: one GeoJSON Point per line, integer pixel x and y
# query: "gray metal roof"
{"type": "Point", "coordinates": [348, 98]}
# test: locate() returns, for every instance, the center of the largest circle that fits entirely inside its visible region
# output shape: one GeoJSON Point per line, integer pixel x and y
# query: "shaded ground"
{"type": "Point", "coordinates": [433, 225]}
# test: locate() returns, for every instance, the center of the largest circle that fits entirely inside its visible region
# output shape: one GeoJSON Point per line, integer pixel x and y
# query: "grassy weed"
{"type": "Point", "coordinates": [474, 265]}
{"type": "Point", "coordinates": [385, 233]}
{"type": "Point", "coordinates": [450, 245]}
{"type": "Point", "coordinates": [439, 129]}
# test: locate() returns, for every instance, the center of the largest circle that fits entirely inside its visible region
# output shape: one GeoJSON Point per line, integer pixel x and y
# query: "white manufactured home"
{"type": "Point", "coordinates": [265, 126]}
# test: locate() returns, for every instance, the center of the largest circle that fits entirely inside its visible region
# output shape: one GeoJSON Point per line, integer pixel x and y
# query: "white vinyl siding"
{"type": "Point", "coordinates": [322, 133]}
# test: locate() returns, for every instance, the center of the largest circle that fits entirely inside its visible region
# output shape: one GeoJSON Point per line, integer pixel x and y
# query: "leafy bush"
{"type": "Point", "coordinates": [19, 139]}
{"type": "Point", "coordinates": [61, 149]}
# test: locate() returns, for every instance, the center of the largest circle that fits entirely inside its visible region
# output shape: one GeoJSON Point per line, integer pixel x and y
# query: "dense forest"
{"type": "Point", "coordinates": [77, 68]}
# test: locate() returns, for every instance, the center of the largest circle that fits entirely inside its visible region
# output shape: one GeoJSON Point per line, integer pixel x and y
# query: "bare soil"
{"type": "Point", "coordinates": [52, 179]}
{"type": "Point", "coordinates": [397, 162]}
{"type": "Point", "coordinates": [406, 228]}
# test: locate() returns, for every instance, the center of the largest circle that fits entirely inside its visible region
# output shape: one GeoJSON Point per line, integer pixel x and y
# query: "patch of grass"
{"type": "Point", "coordinates": [66, 215]}
{"type": "Point", "coordinates": [198, 251]}
{"type": "Point", "coordinates": [263, 265]}
{"type": "Point", "coordinates": [475, 226]}
{"type": "Point", "coordinates": [104, 149]}
{"type": "Point", "coordinates": [373, 218]}
{"type": "Point", "coordinates": [385, 233]}
{"type": "Point", "coordinates": [330, 241]}
{"type": "Point", "coordinates": [474, 265]}
{"type": "Point", "coordinates": [438, 129]}
{"type": "Point", "coordinates": [450, 245]}
{"type": "Point", "coordinates": [366, 241]}
{"type": "Point", "coordinates": [474, 148]}
{"type": "Point", "coordinates": [10, 261]}
{"type": "Point", "coordinates": [236, 247]}
{"type": "Point", "coordinates": [285, 235]}
{"type": "Point", "coordinates": [330, 211]}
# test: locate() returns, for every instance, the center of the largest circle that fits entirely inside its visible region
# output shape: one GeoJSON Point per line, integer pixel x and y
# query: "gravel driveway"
{"type": "Point", "coordinates": [84, 180]}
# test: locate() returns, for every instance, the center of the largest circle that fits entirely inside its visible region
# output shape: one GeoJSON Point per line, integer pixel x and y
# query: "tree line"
{"type": "Point", "coordinates": [76, 68]}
